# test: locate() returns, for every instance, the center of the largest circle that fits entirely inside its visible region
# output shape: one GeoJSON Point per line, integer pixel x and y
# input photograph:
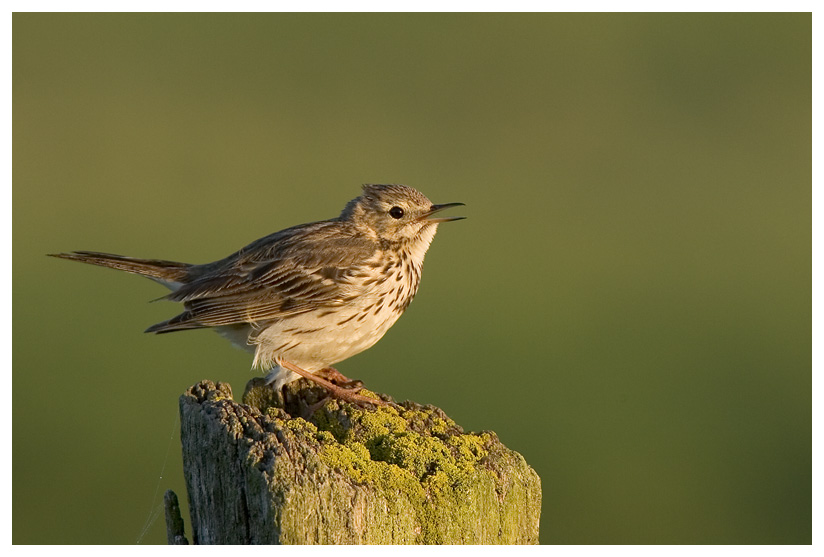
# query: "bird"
{"type": "Point", "coordinates": [307, 297]}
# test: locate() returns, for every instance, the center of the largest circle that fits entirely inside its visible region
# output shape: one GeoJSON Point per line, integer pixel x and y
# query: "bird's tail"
{"type": "Point", "coordinates": [170, 273]}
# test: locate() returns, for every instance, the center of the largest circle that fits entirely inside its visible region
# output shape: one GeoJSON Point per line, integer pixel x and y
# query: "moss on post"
{"type": "Point", "coordinates": [297, 472]}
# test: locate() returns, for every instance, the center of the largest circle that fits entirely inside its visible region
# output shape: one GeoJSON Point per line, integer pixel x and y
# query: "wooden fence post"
{"type": "Point", "coordinates": [273, 472]}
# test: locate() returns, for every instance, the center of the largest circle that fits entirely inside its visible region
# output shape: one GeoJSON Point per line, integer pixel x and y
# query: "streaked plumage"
{"type": "Point", "coordinates": [314, 294]}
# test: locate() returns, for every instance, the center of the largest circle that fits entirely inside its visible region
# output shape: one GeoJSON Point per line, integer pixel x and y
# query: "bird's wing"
{"type": "Point", "coordinates": [289, 272]}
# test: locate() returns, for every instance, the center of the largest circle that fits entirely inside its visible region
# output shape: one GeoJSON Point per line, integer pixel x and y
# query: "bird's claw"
{"type": "Point", "coordinates": [337, 391]}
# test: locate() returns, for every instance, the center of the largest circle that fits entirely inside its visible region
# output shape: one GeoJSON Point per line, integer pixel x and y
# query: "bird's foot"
{"type": "Point", "coordinates": [347, 394]}
{"type": "Point", "coordinates": [339, 379]}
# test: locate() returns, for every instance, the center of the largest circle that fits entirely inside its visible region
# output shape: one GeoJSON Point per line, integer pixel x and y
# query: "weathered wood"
{"type": "Point", "coordinates": [259, 473]}
{"type": "Point", "coordinates": [174, 522]}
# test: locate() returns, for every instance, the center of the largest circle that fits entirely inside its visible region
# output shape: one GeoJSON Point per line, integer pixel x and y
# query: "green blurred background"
{"type": "Point", "coordinates": [628, 305]}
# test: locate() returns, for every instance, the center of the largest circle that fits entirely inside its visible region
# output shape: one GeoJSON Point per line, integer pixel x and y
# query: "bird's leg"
{"type": "Point", "coordinates": [339, 379]}
{"type": "Point", "coordinates": [349, 395]}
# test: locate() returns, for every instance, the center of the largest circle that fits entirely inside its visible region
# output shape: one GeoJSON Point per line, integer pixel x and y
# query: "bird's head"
{"type": "Point", "coordinates": [396, 213]}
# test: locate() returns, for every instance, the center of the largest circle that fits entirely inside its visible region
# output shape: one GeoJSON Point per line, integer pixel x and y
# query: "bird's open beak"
{"type": "Point", "coordinates": [437, 208]}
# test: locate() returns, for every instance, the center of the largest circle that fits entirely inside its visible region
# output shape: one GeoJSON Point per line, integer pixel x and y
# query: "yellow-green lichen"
{"type": "Point", "coordinates": [386, 447]}
{"type": "Point", "coordinates": [299, 425]}
{"type": "Point", "coordinates": [427, 480]}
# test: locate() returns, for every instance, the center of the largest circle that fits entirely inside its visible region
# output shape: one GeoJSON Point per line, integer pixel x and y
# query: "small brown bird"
{"type": "Point", "coordinates": [309, 296]}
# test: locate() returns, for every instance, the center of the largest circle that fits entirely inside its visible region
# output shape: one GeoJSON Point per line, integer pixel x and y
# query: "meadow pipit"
{"type": "Point", "coordinates": [309, 296]}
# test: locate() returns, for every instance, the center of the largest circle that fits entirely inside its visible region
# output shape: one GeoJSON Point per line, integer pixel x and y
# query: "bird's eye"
{"type": "Point", "coordinates": [396, 212]}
